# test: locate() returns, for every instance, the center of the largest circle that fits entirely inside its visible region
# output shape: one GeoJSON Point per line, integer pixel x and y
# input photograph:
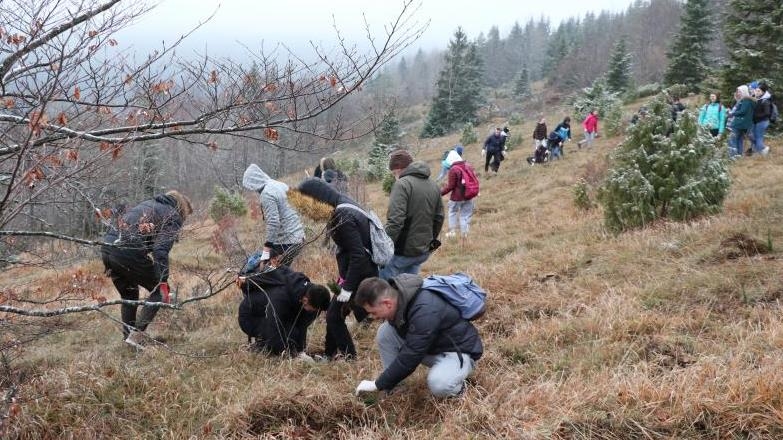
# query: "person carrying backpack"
{"type": "Point", "coordinates": [420, 327]}
{"type": "Point", "coordinates": [762, 114]}
{"type": "Point", "coordinates": [712, 115]}
{"type": "Point", "coordinates": [349, 228]}
{"type": "Point", "coordinates": [462, 185]}
{"type": "Point", "coordinates": [444, 166]}
{"type": "Point", "coordinates": [493, 150]}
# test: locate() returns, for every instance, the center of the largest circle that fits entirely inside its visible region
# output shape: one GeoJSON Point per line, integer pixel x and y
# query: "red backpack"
{"type": "Point", "coordinates": [469, 181]}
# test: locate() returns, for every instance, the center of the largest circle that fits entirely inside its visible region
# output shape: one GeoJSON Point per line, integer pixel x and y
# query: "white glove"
{"type": "Point", "coordinates": [483, 152]}
{"type": "Point", "coordinates": [344, 296]}
{"type": "Point", "coordinates": [302, 356]}
{"type": "Point", "coordinates": [265, 255]}
{"type": "Point", "coordinates": [366, 386]}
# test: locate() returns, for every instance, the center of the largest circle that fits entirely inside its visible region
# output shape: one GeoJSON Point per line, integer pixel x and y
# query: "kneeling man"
{"type": "Point", "coordinates": [420, 328]}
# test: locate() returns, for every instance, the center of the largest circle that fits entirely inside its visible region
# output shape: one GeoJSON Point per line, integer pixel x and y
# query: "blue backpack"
{"type": "Point", "coordinates": [460, 291]}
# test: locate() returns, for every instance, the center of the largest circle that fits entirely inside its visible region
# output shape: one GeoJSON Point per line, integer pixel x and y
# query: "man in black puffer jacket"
{"type": "Point", "coordinates": [146, 230]}
{"type": "Point", "coordinates": [350, 231]}
{"type": "Point", "coordinates": [278, 306]}
{"type": "Point", "coordinates": [420, 328]}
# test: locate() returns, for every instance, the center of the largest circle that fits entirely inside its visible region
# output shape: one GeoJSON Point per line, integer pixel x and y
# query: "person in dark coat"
{"type": "Point", "coordinates": [539, 133]}
{"type": "Point", "coordinates": [414, 217]}
{"type": "Point", "coordinates": [493, 150]}
{"type": "Point", "coordinates": [278, 306]}
{"type": "Point", "coordinates": [420, 328]}
{"type": "Point", "coordinates": [350, 231]}
{"type": "Point", "coordinates": [148, 229]}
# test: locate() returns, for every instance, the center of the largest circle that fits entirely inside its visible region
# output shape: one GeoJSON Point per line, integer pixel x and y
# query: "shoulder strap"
{"type": "Point", "coordinates": [350, 206]}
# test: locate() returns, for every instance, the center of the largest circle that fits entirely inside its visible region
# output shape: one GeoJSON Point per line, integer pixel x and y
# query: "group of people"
{"type": "Point", "coordinates": [549, 145]}
{"type": "Point", "coordinates": [749, 117]}
{"type": "Point", "coordinates": [279, 304]}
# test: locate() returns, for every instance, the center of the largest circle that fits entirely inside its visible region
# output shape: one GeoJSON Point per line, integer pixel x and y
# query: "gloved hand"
{"type": "Point", "coordinates": [164, 290]}
{"type": "Point", "coordinates": [344, 296]}
{"type": "Point", "coordinates": [366, 386]}
{"type": "Point", "coordinates": [483, 152]}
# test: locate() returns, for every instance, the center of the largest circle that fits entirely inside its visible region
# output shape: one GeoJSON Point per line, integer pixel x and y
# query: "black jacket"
{"type": "Point", "coordinates": [762, 111]}
{"type": "Point", "coordinates": [429, 325]}
{"type": "Point", "coordinates": [494, 143]}
{"type": "Point", "coordinates": [350, 231]}
{"type": "Point", "coordinates": [152, 227]}
{"type": "Point", "coordinates": [271, 310]}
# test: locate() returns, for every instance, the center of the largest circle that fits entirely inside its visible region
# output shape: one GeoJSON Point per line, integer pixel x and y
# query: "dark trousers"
{"type": "Point", "coordinates": [338, 338]}
{"type": "Point", "coordinates": [492, 160]}
{"type": "Point", "coordinates": [129, 269]}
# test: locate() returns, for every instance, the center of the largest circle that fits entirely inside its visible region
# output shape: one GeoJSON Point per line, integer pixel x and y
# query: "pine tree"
{"type": "Point", "coordinates": [657, 175]}
{"type": "Point", "coordinates": [753, 33]}
{"type": "Point", "coordinates": [522, 84]}
{"type": "Point", "coordinates": [689, 52]}
{"type": "Point", "coordinates": [458, 94]}
{"type": "Point", "coordinates": [618, 77]}
{"type": "Point", "coordinates": [386, 137]}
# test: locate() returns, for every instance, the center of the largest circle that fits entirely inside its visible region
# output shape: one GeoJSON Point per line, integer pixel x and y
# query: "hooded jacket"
{"type": "Point", "coordinates": [271, 310]}
{"type": "Point", "coordinates": [453, 184]}
{"type": "Point", "coordinates": [429, 325]}
{"type": "Point", "coordinates": [350, 231]}
{"type": "Point", "coordinates": [283, 225]}
{"type": "Point", "coordinates": [152, 226]}
{"type": "Point", "coordinates": [415, 214]}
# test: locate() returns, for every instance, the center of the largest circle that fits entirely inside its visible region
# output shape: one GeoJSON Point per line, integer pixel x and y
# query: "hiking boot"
{"type": "Point", "coordinates": [135, 339]}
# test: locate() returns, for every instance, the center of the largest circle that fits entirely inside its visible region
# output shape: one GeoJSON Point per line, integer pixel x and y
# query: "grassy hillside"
{"type": "Point", "coordinates": [668, 332]}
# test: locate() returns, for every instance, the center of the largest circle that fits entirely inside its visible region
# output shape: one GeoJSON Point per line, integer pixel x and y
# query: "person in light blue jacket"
{"type": "Point", "coordinates": [712, 115]}
{"type": "Point", "coordinates": [284, 231]}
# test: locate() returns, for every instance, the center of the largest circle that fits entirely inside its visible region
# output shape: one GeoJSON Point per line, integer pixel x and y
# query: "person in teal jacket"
{"type": "Point", "coordinates": [712, 115]}
{"type": "Point", "coordinates": [742, 121]}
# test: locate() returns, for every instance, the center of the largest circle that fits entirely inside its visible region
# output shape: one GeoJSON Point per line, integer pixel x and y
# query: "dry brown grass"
{"type": "Point", "coordinates": [665, 332]}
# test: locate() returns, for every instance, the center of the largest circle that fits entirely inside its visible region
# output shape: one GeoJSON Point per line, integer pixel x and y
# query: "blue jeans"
{"type": "Point", "coordinates": [447, 374]}
{"type": "Point", "coordinates": [736, 142]}
{"type": "Point", "coordinates": [463, 210]}
{"type": "Point", "coordinates": [402, 264]}
{"type": "Point", "coordinates": [758, 135]}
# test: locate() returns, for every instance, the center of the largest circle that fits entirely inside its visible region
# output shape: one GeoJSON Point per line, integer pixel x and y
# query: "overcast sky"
{"type": "Point", "coordinates": [296, 22]}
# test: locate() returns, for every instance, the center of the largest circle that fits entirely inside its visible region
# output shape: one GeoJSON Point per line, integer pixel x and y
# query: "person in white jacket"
{"type": "Point", "coordinates": [284, 231]}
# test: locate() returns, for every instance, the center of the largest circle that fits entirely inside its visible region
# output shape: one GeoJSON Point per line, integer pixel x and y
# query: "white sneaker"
{"type": "Point", "coordinates": [765, 151]}
{"type": "Point", "coordinates": [135, 339]}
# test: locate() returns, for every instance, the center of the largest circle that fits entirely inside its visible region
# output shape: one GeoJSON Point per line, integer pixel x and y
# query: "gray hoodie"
{"type": "Point", "coordinates": [283, 225]}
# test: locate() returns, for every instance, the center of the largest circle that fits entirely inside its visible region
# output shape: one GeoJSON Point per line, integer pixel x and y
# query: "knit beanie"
{"type": "Point", "coordinates": [459, 149]}
{"type": "Point", "coordinates": [399, 160]}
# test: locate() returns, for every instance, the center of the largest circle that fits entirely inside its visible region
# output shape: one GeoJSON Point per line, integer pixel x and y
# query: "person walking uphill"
{"type": "Point", "coordinates": [420, 328]}
{"type": "Point", "coordinates": [284, 231]}
{"type": "Point", "coordinates": [350, 231]}
{"type": "Point", "coordinates": [460, 204]}
{"type": "Point", "coordinates": [414, 217]}
{"type": "Point", "coordinates": [149, 228]}
{"type": "Point", "coordinates": [590, 125]}
{"type": "Point", "coordinates": [493, 150]}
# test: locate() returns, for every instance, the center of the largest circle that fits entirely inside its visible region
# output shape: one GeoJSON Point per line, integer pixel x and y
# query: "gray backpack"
{"type": "Point", "coordinates": [382, 245]}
